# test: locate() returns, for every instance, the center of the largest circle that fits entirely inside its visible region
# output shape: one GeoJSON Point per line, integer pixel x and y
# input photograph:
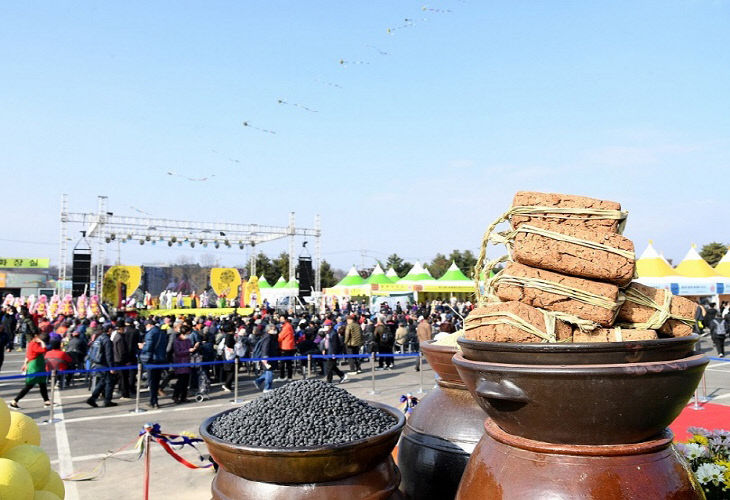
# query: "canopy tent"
{"type": "Point", "coordinates": [281, 283]}
{"type": "Point", "coordinates": [390, 273]}
{"type": "Point", "coordinates": [263, 283]}
{"type": "Point", "coordinates": [723, 267]}
{"type": "Point", "coordinates": [652, 265]}
{"type": "Point", "coordinates": [454, 276]}
{"type": "Point", "coordinates": [418, 275]}
{"type": "Point", "coordinates": [692, 277]}
{"type": "Point", "coordinates": [453, 281]}
{"type": "Point", "coordinates": [352, 278]}
{"type": "Point", "coordinates": [694, 266]}
{"type": "Point", "coordinates": [378, 277]}
{"type": "Point", "coordinates": [351, 284]}
{"type": "Point", "coordinates": [292, 283]}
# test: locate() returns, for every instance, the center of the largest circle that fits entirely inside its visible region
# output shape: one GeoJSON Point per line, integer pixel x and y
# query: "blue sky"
{"type": "Point", "coordinates": [414, 152]}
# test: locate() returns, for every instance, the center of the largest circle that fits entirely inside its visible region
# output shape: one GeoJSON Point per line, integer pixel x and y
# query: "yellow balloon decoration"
{"type": "Point", "coordinates": [131, 276]}
{"type": "Point", "coordinates": [225, 281]}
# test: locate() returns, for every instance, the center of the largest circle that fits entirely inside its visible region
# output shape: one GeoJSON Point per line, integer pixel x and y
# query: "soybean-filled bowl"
{"type": "Point", "coordinates": [579, 353]}
{"type": "Point", "coordinates": [303, 464]}
{"type": "Point", "coordinates": [439, 358]}
{"type": "Point", "coordinates": [583, 404]}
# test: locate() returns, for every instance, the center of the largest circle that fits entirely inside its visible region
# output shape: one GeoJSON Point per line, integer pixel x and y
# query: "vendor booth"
{"type": "Point", "coordinates": [454, 283]}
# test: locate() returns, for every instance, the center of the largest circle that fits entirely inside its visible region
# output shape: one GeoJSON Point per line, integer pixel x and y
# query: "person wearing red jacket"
{"type": "Point", "coordinates": [58, 360]}
{"type": "Point", "coordinates": [287, 348]}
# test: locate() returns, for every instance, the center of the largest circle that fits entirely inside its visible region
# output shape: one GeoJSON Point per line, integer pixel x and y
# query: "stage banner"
{"type": "Point", "coordinates": [225, 281]}
{"type": "Point", "coordinates": [251, 292]}
{"type": "Point", "coordinates": [25, 263]}
{"type": "Point", "coordinates": [129, 276]}
{"type": "Point", "coordinates": [447, 288]}
{"type": "Point", "coordinates": [224, 311]}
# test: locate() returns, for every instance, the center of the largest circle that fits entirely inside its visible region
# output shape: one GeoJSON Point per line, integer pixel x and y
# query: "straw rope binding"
{"type": "Point", "coordinates": [546, 213]}
{"type": "Point", "coordinates": [661, 314]}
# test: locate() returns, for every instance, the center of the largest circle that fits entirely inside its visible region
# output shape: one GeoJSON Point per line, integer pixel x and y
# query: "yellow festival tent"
{"type": "Point", "coordinates": [694, 266]}
{"type": "Point", "coordinates": [723, 267]}
{"type": "Point", "coordinates": [652, 265]}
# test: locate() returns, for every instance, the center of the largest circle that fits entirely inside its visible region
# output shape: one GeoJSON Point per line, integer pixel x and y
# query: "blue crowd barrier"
{"type": "Point", "coordinates": [164, 366]}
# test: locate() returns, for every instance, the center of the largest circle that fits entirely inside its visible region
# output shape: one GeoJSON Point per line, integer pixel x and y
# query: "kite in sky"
{"type": "Point", "coordinates": [192, 179]}
{"type": "Point", "coordinates": [329, 84]}
{"type": "Point", "coordinates": [407, 23]}
{"type": "Point", "coordinates": [305, 108]}
{"type": "Point", "coordinates": [381, 52]}
{"type": "Point", "coordinates": [345, 63]}
{"type": "Point", "coordinates": [425, 8]}
{"type": "Point", "coordinates": [140, 211]}
{"type": "Point", "coordinates": [246, 124]}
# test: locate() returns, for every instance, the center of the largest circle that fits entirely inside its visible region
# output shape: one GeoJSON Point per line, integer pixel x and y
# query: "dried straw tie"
{"type": "Point", "coordinates": [546, 213]}
{"type": "Point", "coordinates": [511, 319]}
{"type": "Point", "coordinates": [661, 314]}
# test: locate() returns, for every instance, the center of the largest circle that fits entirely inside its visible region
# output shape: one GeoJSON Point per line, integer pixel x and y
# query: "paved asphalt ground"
{"type": "Point", "coordinates": [84, 435]}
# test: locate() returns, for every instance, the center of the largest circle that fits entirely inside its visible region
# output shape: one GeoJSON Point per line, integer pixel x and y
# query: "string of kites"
{"type": "Point", "coordinates": [406, 24]}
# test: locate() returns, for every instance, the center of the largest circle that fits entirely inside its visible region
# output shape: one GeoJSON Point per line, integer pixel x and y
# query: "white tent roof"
{"type": "Point", "coordinates": [417, 275]}
{"type": "Point", "coordinates": [390, 273]}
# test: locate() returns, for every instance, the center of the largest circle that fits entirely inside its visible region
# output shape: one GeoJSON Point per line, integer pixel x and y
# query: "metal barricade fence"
{"type": "Point", "coordinates": [140, 367]}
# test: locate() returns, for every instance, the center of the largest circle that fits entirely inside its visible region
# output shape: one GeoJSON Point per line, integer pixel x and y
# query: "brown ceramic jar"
{"type": "Point", "coordinates": [440, 433]}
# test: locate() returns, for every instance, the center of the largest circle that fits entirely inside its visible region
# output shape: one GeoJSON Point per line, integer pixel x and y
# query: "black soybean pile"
{"type": "Point", "coordinates": [302, 414]}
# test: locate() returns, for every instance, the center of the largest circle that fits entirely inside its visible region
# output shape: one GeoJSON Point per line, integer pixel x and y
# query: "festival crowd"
{"type": "Point", "coordinates": [116, 343]}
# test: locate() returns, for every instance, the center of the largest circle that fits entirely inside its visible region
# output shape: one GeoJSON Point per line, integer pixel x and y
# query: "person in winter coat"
{"type": "Point", "coordinates": [423, 330]}
{"type": "Point", "coordinates": [153, 351]}
{"type": "Point", "coordinates": [718, 332]}
{"type": "Point", "coordinates": [34, 363]}
{"type": "Point", "coordinates": [119, 345]}
{"type": "Point", "coordinates": [384, 339]}
{"type": "Point", "coordinates": [269, 349]}
{"type": "Point", "coordinates": [56, 359]}
{"type": "Point", "coordinates": [353, 341]}
{"type": "Point", "coordinates": [287, 347]}
{"type": "Point", "coordinates": [181, 354]}
{"type": "Point", "coordinates": [401, 334]}
{"type": "Point", "coordinates": [332, 346]}
{"type": "Point", "coordinates": [105, 359]}
{"type": "Point", "coordinates": [228, 353]}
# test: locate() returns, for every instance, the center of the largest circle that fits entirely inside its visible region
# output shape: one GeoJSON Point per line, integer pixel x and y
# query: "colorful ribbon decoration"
{"type": "Point", "coordinates": [167, 441]}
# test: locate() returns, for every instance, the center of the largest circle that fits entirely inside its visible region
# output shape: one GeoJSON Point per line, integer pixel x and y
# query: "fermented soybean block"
{"type": "Point", "coordinates": [599, 223]}
{"type": "Point", "coordinates": [512, 322]}
{"type": "Point", "coordinates": [575, 252]}
{"type": "Point", "coordinates": [590, 300]}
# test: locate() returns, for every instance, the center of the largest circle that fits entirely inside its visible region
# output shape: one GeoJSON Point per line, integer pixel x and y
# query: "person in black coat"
{"type": "Point", "coordinates": [268, 348]}
{"type": "Point", "coordinates": [332, 345]}
{"type": "Point", "coordinates": [105, 381]}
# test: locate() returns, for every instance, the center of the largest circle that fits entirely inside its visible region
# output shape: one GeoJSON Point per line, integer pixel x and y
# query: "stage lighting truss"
{"type": "Point", "coordinates": [105, 227]}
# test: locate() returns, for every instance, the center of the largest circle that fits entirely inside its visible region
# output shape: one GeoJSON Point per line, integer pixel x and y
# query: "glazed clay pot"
{"type": "Point", "coordinates": [440, 433]}
{"type": "Point", "coordinates": [507, 467]}
{"type": "Point", "coordinates": [583, 404]}
{"type": "Point", "coordinates": [360, 469]}
{"type": "Point", "coordinates": [579, 353]}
